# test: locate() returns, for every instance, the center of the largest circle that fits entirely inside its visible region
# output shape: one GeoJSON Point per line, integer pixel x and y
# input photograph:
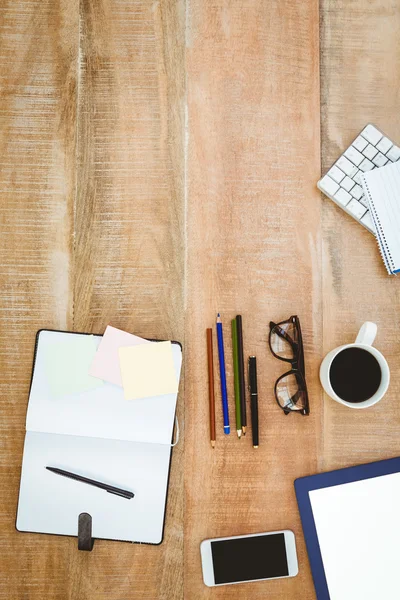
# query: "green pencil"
{"type": "Point", "coordinates": [236, 379]}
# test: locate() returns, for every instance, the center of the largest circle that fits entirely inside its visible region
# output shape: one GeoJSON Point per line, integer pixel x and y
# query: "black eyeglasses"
{"type": "Point", "coordinates": [286, 343]}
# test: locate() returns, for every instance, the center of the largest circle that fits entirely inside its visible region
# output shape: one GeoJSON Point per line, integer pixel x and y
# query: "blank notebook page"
{"type": "Point", "coordinates": [383, 192]}
{"type": "Point", "coordinates": [49, 503]}
{"type": "Point", "coordinates": [359, 536]}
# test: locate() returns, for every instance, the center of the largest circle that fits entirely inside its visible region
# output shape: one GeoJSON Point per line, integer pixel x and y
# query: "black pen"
{"type": "Point", "coordinates": [253, 398]}
{"type": "Point", "coordinates": [104, 486]}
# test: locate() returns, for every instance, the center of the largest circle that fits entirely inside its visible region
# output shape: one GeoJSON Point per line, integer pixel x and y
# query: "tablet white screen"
{"type": "Point", "coordinates": [358, 529]}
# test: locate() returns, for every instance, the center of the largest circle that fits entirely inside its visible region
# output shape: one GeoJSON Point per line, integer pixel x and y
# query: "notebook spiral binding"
{"type": "Point", "coordinates": [381, 238]}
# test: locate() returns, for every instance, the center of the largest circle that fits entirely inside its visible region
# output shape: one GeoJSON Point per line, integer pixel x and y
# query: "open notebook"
{"type": "Point", "coordinates": [100, 435]}
{"type": "Point", "coordinates": [382, 188]}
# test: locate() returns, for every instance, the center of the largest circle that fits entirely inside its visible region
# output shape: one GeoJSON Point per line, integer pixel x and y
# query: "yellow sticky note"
{"type": "Point", "coordinates": [148, 370]}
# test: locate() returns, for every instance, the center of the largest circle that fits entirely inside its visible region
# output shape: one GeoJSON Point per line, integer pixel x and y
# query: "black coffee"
{"type": "Point", "coordinates": [355, 375]}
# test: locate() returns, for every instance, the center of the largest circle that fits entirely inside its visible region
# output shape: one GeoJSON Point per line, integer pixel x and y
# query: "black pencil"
{"type": "Point", "coordinates": [242, 388]}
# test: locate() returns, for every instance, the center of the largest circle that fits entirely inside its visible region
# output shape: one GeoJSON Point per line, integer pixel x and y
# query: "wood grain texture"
{"type": "Point", "coordinates": [360, 83]}
{"type": "Point", "coordinates": [38, 53]}
{"type": "Point", "coordinates": [128, 251]}
{"type": "Point", "coordinates": [92, 233]}
{"type": "Point", "coordinates": [149, 189]}
{"type": "Point", "coordinates": [129, 211]}
{"type": "Point", "coordinates": [253, 238]}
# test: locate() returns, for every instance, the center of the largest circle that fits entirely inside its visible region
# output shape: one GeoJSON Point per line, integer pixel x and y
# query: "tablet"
{"type": "Point", "coordinates": [352, 530]}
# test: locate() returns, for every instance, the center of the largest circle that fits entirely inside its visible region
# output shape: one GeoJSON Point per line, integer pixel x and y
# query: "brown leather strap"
{"type": "Point", "coordinates": [85, 540]}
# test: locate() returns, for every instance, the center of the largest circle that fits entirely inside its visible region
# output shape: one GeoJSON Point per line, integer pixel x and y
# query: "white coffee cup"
{"type": "Point", "coordinates": [364, 340]}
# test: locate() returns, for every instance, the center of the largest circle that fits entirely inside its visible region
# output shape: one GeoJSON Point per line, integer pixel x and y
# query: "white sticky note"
{"type": "Point", "coordinates": [67, 365]}
{"type": "Point", "coordinates": [148, 370]}
{"type": "Point", "coordinates": [106, 362]}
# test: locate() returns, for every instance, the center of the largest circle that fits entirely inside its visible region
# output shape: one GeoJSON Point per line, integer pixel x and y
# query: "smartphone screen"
{"type": "Point", "coordinates": [247, 558]}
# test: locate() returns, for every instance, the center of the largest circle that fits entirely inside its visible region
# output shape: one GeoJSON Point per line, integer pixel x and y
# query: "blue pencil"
{"type": "Point", "coordinates": [224, 392]}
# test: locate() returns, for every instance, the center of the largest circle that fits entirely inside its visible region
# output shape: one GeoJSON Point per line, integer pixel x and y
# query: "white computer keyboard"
{"type": "Point", "coordinates": [370, 150]}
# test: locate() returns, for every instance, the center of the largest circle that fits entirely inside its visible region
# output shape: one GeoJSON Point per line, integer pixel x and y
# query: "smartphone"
{"type": "Point", "coordinates": [255, 557]}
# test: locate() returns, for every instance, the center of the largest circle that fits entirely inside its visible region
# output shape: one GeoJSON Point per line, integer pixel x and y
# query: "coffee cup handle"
{"type": "Point", "coordinates": [367, 333]}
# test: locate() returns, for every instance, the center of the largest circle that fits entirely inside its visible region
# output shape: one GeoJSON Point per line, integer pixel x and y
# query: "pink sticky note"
{"type": "Point", "coordinates": [105, 364]}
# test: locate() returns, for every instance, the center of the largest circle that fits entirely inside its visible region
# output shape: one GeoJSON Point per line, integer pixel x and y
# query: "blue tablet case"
{"type": "Point", "coordinates": [304, 485]}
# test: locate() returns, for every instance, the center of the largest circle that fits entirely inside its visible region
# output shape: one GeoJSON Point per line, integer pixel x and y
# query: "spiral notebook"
{"type": "Point", "coordinates": [84, 425]}
{"type": "Point", "coordinates": [382, 188]}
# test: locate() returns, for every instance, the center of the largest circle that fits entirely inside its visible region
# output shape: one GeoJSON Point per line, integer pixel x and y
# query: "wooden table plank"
{"type": "Point", "coordinates": [253, 234]}
{"type": "Point", "coordinates": [89, 238]}
{"type": "Point", "coordinates": [129, 212]}
{"type": "Point", "coordinates": [129, 231]}
{"type": "Point", "coordinates": [360, 84]}
{"type": "Point", "coordinates": [38, 53]}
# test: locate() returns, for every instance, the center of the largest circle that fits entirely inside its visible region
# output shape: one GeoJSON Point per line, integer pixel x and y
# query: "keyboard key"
{"type": "Point", "coordinates": [364, 201]}
{"type": "Point", "coordinates": [370, 151]}
{"type": "Point", "coordinates": [357, 192]}
{"type": "Point", "coordinates": [357, 177]}
{"type": "Point", "coordinates": [360, 143]}
{"type": "Point", "coordinates": [368, 222]}
{"type": "Point", "coordinates": [371, 134]}
{"type": "Point", "coordinates": [394, 153]}
{"type": "Point", "coordinates": [345, 165]}
{"type": "Point", "coordinates": [356, 209]}
{"type": "Point", "coordinates": [347, 183]}
{"type": "Point", "coordinates": [336, 174]}
{"type": "Point", "coordinates": [380, 160]}
{"type": "Point", "coordinates": [384, 145]}
{"type": "Point", "coordinates": [366, 165]}
{"type": "Point", "coordinates": [342, 197]}
{"type": "Point", "coordinates": [354, 155]}
{"type": "Point", "coordinates": [328, 185]}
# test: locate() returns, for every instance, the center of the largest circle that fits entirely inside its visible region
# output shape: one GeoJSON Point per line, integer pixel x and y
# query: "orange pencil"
{"type": "Point", "coordinates": [211, 385]}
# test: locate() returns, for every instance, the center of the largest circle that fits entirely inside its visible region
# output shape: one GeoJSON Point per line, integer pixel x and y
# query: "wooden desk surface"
{"type": "Point", "coordinates": [158, 163]}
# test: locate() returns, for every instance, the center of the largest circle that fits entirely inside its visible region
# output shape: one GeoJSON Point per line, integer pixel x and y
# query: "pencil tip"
{"type": "Point", "coordinates": [255, 446]}
{"type": "Point", "coordinates": [239, 434]}
{"type": "Point", "coordinates": [212, 444]}
{"type": "Point", "coordinates": [244, 430]}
